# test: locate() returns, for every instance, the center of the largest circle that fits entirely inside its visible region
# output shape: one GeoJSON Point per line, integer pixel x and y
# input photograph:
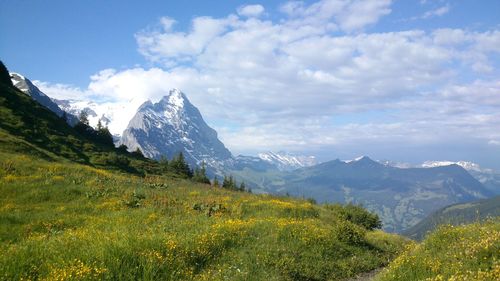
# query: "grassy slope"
{"type": "Point", "coordinates": [66, 213]}
{"type": "Point", "coordinates": [470, 252]}
{"type": "Point", "coordinates": [59, 219]}
{"type": "Point", "coordinates": [29, 128]}
{"type": "Point", "coordinates": [455, 215]}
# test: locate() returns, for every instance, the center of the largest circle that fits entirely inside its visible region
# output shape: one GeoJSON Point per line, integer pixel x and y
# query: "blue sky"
{"type": "Point", "coordinates": [402, 80]}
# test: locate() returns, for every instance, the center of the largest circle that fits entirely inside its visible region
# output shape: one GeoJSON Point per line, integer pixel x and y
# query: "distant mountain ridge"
{"type": "Point", "coordinates": [286, 161]}
{"type": "Point", "coordinates": [401, 197]}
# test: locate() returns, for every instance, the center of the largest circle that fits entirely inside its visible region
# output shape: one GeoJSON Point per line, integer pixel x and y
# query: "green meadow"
{"type": "Point", "coordinates": [67, 221]}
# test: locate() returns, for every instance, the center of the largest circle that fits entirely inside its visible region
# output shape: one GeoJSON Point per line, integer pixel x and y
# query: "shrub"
{"type": "Point", "coordinates": [357, 215]}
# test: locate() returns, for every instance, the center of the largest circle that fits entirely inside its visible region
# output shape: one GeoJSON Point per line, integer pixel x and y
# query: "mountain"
{"type": "Point", "coordinates": [285, 161]}
{"type": "Point", "coordinates": [27, 87]}
{"type": "Point", "coordinates": [29, 127]}
{"type": "Point", "coordinates": [469, 166]}
{"type": "Point", "coordinates": [76, 107]}
{"type": "Point", "coordinates": [402, 197]}
{"type": "Point", "coordinates": [174, 125]}
{"type": "Point", "coordinates": [488, 177]}
{"type": "Point", "coordinates": [456, 214]}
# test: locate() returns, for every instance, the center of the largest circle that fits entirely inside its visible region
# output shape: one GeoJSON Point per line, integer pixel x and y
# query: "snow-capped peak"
{"type": "Point", "coordinates": [469, 166]}
{"type": "Point", "coordinates": [14, 76]}
{"type": "Point", "coordinates": [175, 98]}
{"type": "Point", "coordinates": [23, 84]}
{"type": "Point", "coordinates": [356, 159]}
{"type": "Point", "coordinates": [174, 125]}
{"type": "Point", "coordinates": [287, 161]}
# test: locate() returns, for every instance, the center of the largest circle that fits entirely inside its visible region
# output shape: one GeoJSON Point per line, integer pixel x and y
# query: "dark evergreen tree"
{"type": "Point", "coordinates": [179, 166]}
{"type": "Point", "coordinates": [84, 117]}
{"type": "Point", "coordinates": [242, 186]}
{"type": "Point", "coordinates": [103, 135]}
{"type": "Point", "coordinates": [200, 175]}
{"type": "Point", "coordinates": [229, 183]}
{"type": "Point", "coordinates": [164, 163]}
{"type": "Point", "coordinates": [138, 153]}
{"type": "Point", "coordinates": [216, 182]}
{"type": "Point", "coordinates": [225, 182]}
{"type": "Point", "coordinates": [122, 148]}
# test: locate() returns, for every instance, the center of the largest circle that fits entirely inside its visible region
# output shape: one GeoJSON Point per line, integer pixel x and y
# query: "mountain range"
{"type": "Point", "coordinates": [402, 195]}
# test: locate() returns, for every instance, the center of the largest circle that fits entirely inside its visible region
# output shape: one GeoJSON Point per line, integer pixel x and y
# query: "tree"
{"type": "Point", "coordinates": [84, 117]}
{"type": "Point", "coordinates": [103, 135]}
{"type": "Point", "coordinates": [138, 153]}
{"type": "Point", "coordinates": [164, 163]}
{"type": "Point", "coordinates": [200, 175]}
{"type": "Point", "coordinates": [216, 182]}
{"type": "Point", "coordinates": [122, 148]}
{"type": "Point", "coordinates": [228, 183]}
{"type": "Point", "coordinates": [242, 186]}
{"type": "Point", "coordinates": [179, 166]}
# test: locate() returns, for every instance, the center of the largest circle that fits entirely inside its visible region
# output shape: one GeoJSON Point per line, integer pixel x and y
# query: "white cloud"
{"type": "Point", "coordinates": [349, 15]}
{"type": "Point", "coordinates": [61, 91]}
{"type": "Point", "coordinates": [307, 81]}
{"type": "Point", "coordinates": [165, 44]}
{"type": "Point", "coordinates": [251, 10]}
{"type": "Point", "coordinates": [437, 12]}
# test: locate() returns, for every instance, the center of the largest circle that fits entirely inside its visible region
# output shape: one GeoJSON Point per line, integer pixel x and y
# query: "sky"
{"type": "Point", "coordinates": [402, 80]}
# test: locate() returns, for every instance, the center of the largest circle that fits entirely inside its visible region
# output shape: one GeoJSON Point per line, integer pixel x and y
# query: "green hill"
{"type": "Point", "coordinates": [72, 208]}
{"type": "Point", "coordinates": [467, 252]}
{"type": "Point", "coordinates": [455, 215]}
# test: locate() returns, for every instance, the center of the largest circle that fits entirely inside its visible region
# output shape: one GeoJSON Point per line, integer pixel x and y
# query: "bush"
{"type": "Point", "coordinates": [112, 159]}
{"type": "Point", "coordinates": [357, 215]}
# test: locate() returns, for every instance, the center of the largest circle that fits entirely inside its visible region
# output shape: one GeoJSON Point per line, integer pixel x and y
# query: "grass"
{"type": "Point", "coordinates": [468, 252]}
{"type": "Point", "coordinates": [65, 221]}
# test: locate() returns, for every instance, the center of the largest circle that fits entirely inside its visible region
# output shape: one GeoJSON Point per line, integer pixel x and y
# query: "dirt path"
{"type": "Point", "coordinates": [368, 276]}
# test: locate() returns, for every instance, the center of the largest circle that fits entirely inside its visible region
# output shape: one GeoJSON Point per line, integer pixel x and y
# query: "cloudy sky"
{"type": "Point", "coordinates": [401, 80]}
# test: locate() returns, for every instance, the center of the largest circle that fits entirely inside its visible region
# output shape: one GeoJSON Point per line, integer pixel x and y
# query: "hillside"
{"type": "Point", "coordinates": [456, 214]}
{"type": "Point", "coordinates": [161, 228]}
{"type": "Point", "coordinates": [468, 252]}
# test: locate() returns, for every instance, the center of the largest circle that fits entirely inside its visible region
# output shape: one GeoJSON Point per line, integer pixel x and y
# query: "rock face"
{"type": "Point", "coordinates": [27, 87]}
{"type": "Point", "coordinates": [174, 125]}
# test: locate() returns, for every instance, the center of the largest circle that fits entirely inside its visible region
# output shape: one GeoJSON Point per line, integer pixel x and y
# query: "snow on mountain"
{"type": "Point", "coordinates": [355, 159]}
{"type": "Point", "coordinates": [469, 166]}
{"type": "Point", "coordinates": [287, 161]}
{"type": "Point", "coordinates": [488, 177]}
{"type": "Point", "coordinates": [27, 87]}
{"type": "Point", "coordinates": [174, 125]}
{"type": "Point", "coordinates": [114, 115]}
{"type": "Point", "coordinates": [401, 165]}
